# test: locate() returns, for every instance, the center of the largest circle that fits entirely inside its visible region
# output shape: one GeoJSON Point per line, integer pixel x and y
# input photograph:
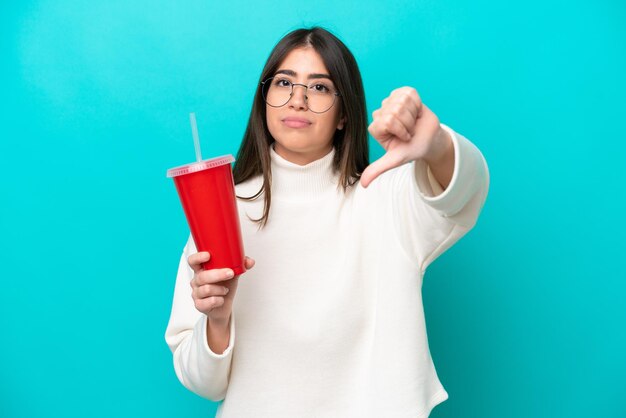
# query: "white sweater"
{"type": "Point", "coordinates": [330, 321]}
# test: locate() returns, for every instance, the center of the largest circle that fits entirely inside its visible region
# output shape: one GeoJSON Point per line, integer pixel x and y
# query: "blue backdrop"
{"type": "Point", "coordinates": [526, 315]}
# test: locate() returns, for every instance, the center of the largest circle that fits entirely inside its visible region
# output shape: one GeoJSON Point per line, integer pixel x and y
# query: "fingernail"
{"type": "Point", "coordinates": [230, 273]}
{"type": "Point", "coordinates": [226, 290]}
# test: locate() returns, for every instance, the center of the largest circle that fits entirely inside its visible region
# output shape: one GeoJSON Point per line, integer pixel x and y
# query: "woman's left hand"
{"type": "Point", "coordinates": [406, 129]}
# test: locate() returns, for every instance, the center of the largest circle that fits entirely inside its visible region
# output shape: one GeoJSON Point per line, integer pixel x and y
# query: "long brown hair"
{"type": "Point", "coordinates": [351, 146]}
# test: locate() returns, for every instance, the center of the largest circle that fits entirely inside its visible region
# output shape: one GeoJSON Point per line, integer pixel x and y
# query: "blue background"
{"type": "Point", "coordinates": [526, 314]}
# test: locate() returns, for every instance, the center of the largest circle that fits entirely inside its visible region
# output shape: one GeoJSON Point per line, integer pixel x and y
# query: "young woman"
{"type": "Point", "coordinates": [328, 321]}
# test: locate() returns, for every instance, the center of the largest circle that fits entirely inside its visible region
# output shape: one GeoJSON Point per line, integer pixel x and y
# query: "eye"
{"type": "Point", "coordinates": [320, 88]}
{"type": "Point", "coordinates": [281, 82]}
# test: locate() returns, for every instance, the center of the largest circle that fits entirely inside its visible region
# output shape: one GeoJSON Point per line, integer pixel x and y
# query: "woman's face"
{"type": "Point", "coordinates": [303, 136]}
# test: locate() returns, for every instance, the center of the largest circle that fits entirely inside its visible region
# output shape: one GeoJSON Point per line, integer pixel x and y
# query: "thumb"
{"type": "Point", "coordinates": [378, 167]}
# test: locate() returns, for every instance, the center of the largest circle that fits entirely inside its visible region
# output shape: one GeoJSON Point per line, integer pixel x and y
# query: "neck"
{"type": "Point", "coordinates": [292, 180]}
{"type": "Point", "coordinates": [301, 158]}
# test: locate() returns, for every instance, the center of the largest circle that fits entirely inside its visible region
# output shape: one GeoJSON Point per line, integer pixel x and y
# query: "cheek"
{"type": "Point", "coordinates": [271, 121]}
{"type": "Point", "coordinates": [330, 123]}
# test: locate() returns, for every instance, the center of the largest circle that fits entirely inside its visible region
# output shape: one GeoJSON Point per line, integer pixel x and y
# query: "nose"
{"type": "Point", "coordinates": [298, 97]}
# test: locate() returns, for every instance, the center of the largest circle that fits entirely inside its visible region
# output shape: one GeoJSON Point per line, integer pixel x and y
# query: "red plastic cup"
{"type": "Point", "coordinates": [207, 192]}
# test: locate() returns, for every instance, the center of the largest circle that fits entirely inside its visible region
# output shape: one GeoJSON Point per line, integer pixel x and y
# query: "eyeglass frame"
{"type": "Point", "coordinates": [306, 98]}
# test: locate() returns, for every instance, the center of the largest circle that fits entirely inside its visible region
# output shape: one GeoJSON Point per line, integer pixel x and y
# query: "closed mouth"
{"type": "Point", "coordinates": [296, 122]}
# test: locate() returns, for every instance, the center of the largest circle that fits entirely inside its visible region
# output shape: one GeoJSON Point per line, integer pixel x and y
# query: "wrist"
{"type": "Point", "coordinates": [441, 148]}
{"type": "Point", "coordinates": [218, 323]}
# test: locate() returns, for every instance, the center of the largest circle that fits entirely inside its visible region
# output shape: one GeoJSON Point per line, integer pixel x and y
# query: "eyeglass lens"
{"type": "Point", "coordinates": [320, 96]}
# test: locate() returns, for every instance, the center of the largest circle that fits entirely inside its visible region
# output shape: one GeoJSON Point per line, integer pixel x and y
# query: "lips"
{"type": "Point", "coordinates": [294, 122]}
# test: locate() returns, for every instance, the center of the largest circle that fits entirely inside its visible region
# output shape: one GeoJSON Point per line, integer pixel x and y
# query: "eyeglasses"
{"type": "Point", "coordinates": [320, 96]}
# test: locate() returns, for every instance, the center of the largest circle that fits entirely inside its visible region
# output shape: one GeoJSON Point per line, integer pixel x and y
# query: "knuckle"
{"type": "Point", "coordinates": [214, 301]}
{"type": "Point", "coordinates": [204, 291]}
{"type": "Point", "coordinates": [211, 290]}
{"type": "Point", "coordinates": [199, 292]}
{"type": "Point", "coordinates": [217, 290]}
{"type": "Point", "coordinates": [397, 109]}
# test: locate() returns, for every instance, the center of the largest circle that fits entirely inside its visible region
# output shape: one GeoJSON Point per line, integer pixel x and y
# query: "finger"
{"type": "Point", "coordinates": [378, 130]}
{"type": "Point", "coordinates": [213, 276]}
{"type": "Point", "coordinates": [410, 99]}
{"type": "Point", "coordinates": [406, 105]}
{"type": "Point", "coordinates": [407, 114]}
{"type": "Point", "coordinates": [410, 96]}
{"type": "Point", "coordinates": [208, 290]}
{"type": "Point", "coordinates": [195, 260]}
{"type": "Point", "coordinates": [249, 263]}
{"type": "Point", "coordinates": [386, 162]}
{"type": "Point", "coordinates": [207, 304]}
{"type": "Point", "coordinates": [395, 127]}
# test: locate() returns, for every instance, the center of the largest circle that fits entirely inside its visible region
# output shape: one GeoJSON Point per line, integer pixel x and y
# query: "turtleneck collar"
{"type": "Point", "coordinates": [293, 180]}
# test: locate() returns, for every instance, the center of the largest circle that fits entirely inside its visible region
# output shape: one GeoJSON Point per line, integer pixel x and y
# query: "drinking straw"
{"type": "Point", "coordinates": [196, 138]}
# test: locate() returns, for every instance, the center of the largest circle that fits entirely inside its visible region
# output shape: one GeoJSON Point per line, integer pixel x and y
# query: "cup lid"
{"type": "Point", "coordinates": [199, 166]}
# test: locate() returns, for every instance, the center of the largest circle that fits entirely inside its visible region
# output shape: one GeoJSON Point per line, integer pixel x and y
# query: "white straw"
{"type": "Point", "coordinates": [196, 138]}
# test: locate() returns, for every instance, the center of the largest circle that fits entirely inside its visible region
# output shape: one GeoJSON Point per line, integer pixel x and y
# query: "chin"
{"type": "Point", "coordinates": [297, 145]}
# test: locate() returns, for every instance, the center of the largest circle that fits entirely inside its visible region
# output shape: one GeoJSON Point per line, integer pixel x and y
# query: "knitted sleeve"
{"type": "Point", "coordinates": [198, 368]}
{"type": "Point", "coordinates": [427, 219]}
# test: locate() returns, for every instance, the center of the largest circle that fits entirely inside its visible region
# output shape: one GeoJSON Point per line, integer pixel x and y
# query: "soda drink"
{"type": "Point", "coordinates": [207, 193]}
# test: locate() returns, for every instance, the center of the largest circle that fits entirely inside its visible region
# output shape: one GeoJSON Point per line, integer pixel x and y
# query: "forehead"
{"type": "Point", "coordinates": [303, 61]}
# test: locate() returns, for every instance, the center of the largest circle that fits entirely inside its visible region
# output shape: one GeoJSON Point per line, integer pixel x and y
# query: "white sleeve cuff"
{"type": "Point", "coordinates": [468, 174]}
{"type": "Point", "coordinates": [201, 331]}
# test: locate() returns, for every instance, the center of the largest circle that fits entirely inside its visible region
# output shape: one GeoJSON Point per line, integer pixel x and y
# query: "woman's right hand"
{"type": "Point", "coordinates": [213, 290]}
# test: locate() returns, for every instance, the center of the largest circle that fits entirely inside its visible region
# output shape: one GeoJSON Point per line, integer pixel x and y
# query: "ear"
{"type": "Point", "coordinates": [341, 123]}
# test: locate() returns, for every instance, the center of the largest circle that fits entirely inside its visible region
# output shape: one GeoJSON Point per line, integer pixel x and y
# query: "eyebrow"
{"type": "Point", "coordinates": [311, 76]}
